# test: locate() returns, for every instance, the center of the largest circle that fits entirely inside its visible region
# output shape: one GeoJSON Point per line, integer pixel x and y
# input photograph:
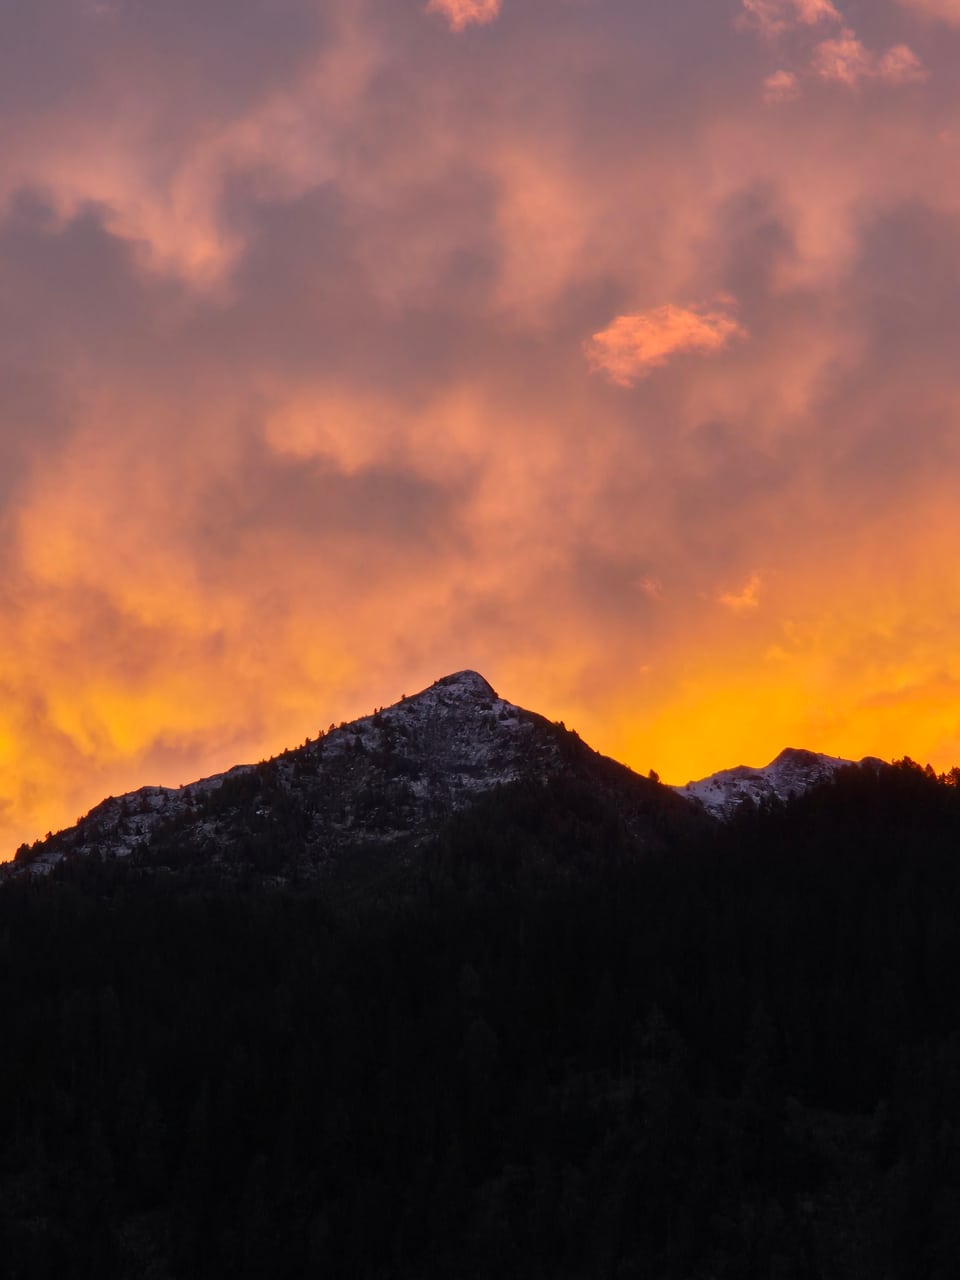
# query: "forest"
{"type": "Point", "coordinates": [533, 1050]}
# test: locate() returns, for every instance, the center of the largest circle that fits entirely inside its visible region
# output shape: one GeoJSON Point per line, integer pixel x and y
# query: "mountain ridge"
{"type": "Point", "coordinates": [389, 780]}
{"type": "Point", "coordinates": [386, 781]}
{"type": "Point", "coordinates": [790, 773]}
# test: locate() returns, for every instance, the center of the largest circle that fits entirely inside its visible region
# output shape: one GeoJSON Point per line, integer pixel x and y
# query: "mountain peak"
{"type": "Point", "coordinates": [792, 772]}
{"type": "Point", "coordinates": [469, 683]}
{"type": "Point", "coordinates": [797, 755]}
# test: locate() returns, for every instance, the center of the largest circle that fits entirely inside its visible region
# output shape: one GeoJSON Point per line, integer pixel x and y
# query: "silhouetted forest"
{"type": "Point", "coordinates": [532, 1052]}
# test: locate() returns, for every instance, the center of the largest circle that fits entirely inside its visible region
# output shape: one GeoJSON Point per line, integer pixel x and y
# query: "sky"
{"type": "Point", "coordinates": [608, 347]}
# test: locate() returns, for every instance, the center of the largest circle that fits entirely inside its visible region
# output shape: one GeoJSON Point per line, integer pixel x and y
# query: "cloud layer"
{"type": "Point", "coordinates": [606, 348]}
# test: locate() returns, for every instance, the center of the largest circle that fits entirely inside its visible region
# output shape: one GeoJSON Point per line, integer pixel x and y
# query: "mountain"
{"type": "Point", "coordinates": [530, 1052]}
{"type": "Point", "coordinates": [380, 785]}
{"type": "Point", "coordinates": [790, 774]}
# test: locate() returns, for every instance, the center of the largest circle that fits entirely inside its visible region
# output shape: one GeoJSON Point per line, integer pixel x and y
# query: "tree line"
{"type": "Point", "coordinates": [535, 1050]}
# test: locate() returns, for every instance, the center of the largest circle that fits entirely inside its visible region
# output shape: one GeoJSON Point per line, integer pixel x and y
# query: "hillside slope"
{"type": "Point", "coordinates": [384, 783]}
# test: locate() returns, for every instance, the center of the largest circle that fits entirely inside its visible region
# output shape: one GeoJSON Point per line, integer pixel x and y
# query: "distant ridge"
{"type": "Point", "coordinates": [791, 773]}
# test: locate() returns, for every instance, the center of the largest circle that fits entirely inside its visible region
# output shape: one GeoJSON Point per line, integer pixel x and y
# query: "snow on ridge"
{"type": "Point", "coordinates": [461, 691]}
{"type": "Point", "coordinates": [463, 736]}
{"type": "Point", "coordinates": [468, 682]}
{"type": "Point", "coordinates": [457, 736]}
{"type": "Point", "coordinates": [792, 772]}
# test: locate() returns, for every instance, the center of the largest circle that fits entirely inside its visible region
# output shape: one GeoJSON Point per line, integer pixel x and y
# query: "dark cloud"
{"type": "Point", "coordinates": [56, 53]}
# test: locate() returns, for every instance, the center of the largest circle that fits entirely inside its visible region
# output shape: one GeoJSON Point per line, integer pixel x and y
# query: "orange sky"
{"type": "Point", "coordinates": [610, 349]}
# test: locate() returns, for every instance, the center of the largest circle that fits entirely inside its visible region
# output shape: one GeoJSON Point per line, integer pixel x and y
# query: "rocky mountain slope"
{"type": "Point", "coordinates": [791, 773]}
{"type": "Point", "coordinates": [386, 782]}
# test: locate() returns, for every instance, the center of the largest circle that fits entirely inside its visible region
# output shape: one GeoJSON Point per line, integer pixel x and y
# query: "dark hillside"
{"type": "Point", "coordinates": [543, 1054]}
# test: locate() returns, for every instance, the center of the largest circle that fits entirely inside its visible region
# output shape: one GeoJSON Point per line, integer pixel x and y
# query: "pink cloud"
{"type": "Point", "coordinates": [463, 13]}
{"type": "Point", "coordinates": [776, 16]}
{"type": "Point", "coordinates": [941, 10]}
{"type": "Point", "coordinates": [630, 348]}
{"type": "Point", "coordinates": [847, 60]}
{"type": "Point", "coordinates": [782, 86]}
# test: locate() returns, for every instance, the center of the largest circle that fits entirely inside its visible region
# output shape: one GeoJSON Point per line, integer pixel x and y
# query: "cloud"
{"type": "Point", "coordinates": [843, 58]}
{"type": "Point", "coordinates": [939, 10]}
{"type": "Point", "coordinates": [781, 86]}
{"type": "Point", "coordinates": [633, 346]}
{"type": "Point", "coordinates": [773, 17]}
{"type": "Point", "coordinates": [847, 60]}
{"type": "Point", "coordinates": [747, 598]}
{"type": "Point", "coordinates": [463, 13]}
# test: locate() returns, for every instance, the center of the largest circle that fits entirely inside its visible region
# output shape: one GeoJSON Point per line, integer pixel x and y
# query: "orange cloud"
{"type": "Point", "coordinates": [464, 13]}
{"type": "Point", "coordinates": [848, 61]}
{"type": "Point", "coordinates": [747, 598]}
{"type": "Point", "coordinates": [633, 346]}
{"type": "Point", "coordinates": [776, 16]}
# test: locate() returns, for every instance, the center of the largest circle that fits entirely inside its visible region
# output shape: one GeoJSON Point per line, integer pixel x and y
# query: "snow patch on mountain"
{"type": "Point", "coordinates": [386, 777]}
{"type": "Point", "coordinates": [791, 773]}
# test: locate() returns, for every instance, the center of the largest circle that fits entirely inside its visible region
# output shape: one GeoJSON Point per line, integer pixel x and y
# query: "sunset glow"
{"type": "Point", "coordinates": [608, 349]}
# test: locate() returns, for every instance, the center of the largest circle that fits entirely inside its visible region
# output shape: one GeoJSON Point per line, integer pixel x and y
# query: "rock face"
{"type": "Point", "coordinates": [791, 773]}
{"type": "Point", "coordinates": [387, 781]}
